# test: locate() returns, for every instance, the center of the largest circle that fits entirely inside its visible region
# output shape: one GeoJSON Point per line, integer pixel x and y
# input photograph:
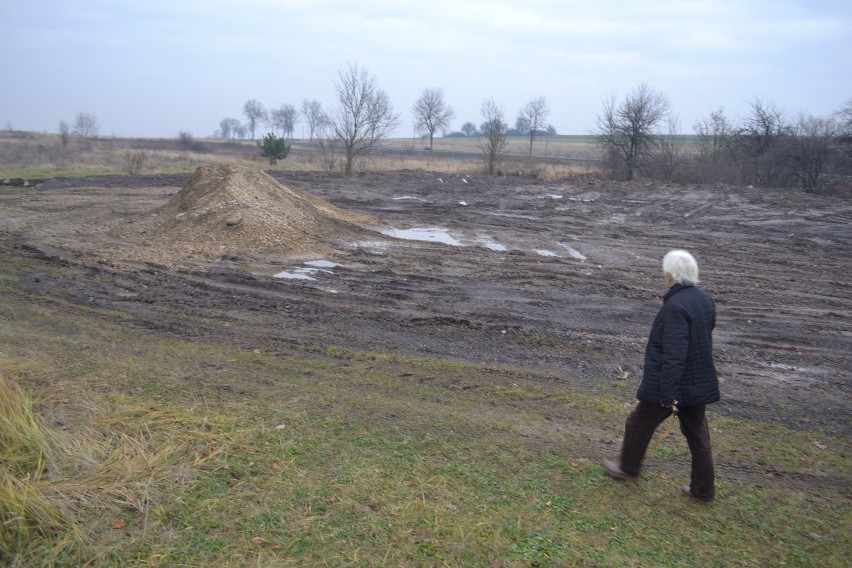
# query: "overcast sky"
{"type": "Point", "coordinates": [151, 68]}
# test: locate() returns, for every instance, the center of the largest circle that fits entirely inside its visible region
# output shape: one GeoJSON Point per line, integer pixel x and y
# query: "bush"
{"type": "Point", "coordinates": [185, 139]}
{"type": "Point", "coordinates": [273, 148]}
{"type": "Point", "coordinates": [133, 162]}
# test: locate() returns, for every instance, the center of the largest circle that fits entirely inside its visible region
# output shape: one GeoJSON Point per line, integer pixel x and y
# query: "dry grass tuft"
{"type": "Point", "coordinates": [112, 465]}
{"type": "Point", "coordinates": [29, 519]}
{"type": "Point", "coordinates": [23, 442]}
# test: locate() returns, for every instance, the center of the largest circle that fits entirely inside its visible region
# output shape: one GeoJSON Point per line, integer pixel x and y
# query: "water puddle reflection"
{"type": "Point", "coordinates": [491, 244]}
{"type": "Point", "coordinates": [322, 263]}
{"type": "Point", "coordinates": [430, 234]}
{"type": "Point", "coordinates": [297, 274]}
{"type": "Point", "coordinates": [305, 272]}
{"type": "Point", "coordinates": [573, 253]}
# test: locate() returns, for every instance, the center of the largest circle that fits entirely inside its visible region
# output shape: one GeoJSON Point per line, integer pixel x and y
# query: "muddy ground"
{"type": "Point", "coordinates": [571, 296]}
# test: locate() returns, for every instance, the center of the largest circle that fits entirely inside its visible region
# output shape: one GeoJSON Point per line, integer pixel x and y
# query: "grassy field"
{"type": "Point", "coordinates": [32, 156]}
{"type": "Point", "coordinates": [124, 447]}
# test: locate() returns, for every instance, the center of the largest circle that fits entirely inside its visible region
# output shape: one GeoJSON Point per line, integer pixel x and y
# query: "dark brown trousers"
{"type": "Point", "coordinates": [640, 427]}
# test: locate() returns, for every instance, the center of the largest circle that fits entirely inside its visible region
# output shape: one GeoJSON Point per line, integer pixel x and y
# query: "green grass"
{"type": "Point", "coordinates": [164, 452]}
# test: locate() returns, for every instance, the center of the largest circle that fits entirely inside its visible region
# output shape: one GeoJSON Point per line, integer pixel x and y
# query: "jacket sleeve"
{"type": "Point", "coordinates": [675, 350]}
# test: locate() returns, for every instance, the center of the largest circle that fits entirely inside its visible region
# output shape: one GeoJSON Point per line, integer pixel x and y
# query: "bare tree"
{"type": "Point", "coordinates": [812, 143]}
{"type": "Point", "coordinates": [533, 115]}
{"type": "Point", "coordinates": [274, 120]}
{"type": "Point", "coordinates": [760, 142]}
{"type": "Point", "coordinates": [671, 154]}
{"type": "Point", "coordinates": [715, 142]}
{"type": "Point", "coordinates": [844, 117]}
{"type": "Point", "coordinates": [627, 130]}
{"type": "Point", "coordinates": [85, 128]}
{"type": "Point", "coordinates": [363, 115]}
{"type": "Point", "coordinates": [469, 129]}
{"type": "Point", "coordinates": [329, 146]}
{"type": "Point", "coordinates": [284, 119]}
{"type": "Point", "coordinates": [64, 132]}
{"type": "Point", "coordinates": [432, 113]}
{"type": "Point", "coordinates": [254, 113]}
{"type": "Point", "coordinates": [493, 142]}
{"type": "Point", "coordinates": [314, 116]}
{"type": "Point", "coordinates": [228, 127]}
{"type": "Point", "coordinates": [85, 125]}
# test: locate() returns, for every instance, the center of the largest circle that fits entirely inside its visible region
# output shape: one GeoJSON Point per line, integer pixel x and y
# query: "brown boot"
{"type": "Point", "coordinates": [614, 470]}
{"type": "Point", "coordinates": [687, 490]}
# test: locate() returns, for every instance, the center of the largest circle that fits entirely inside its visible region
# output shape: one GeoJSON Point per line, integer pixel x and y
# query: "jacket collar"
{"type": "Point", "coordinates": [674, 290]}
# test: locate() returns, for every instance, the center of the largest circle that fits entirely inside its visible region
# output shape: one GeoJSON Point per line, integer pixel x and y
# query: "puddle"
{"type": "Point", "coordinates": [298, 274]}
{"type": "Point", "coordinates": [431, 234]}
{"type": "Point", "coordinates": [322, 263]}
{"type": "Point", "coordinates": [371, 247]}
{"type": "Point", "coordinates": [305, 272]}
{"type": "Point", "coordinates": [542, 252]}
{"type": "Point", "coordinates": [406, 197]}
{"type": "Point", "coordinates": [574, 253]}
{"type": "Point", "coordinates": [464, 203]}
{"type": "Point", "coordinates": [551, 196]}
{"type": "Point", "coordinates": [490, 244]}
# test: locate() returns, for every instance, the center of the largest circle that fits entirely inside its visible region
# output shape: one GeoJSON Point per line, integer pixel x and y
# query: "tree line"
{"type": "Point", "coordinates": [640, 136]}
{"type": "Point", "coordinates": [363, 114]}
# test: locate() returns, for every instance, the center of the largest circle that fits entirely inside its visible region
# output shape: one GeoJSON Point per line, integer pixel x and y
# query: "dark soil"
{"type": "Point", "coordinates": [577, 311]}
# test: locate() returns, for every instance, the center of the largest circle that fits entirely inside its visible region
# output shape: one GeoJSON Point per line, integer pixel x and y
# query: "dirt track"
{"type": "Point", "coordinates": [573, 292]}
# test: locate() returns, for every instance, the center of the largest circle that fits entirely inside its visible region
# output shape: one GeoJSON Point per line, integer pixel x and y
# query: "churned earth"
{"type": "Point", "coordinates": [559, 281]}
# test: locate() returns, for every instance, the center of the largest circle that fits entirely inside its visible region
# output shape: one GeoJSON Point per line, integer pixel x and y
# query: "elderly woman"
{"type": "Point", "coordinates": [679, 377]}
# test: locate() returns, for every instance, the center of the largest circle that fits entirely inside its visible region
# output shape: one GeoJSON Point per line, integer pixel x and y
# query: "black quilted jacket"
{"type": "Point", "coordinates": [679, 356]}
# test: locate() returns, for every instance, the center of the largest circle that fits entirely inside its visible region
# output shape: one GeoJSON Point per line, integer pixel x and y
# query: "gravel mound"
{"type": "Point", "coordinates": [231, 210]}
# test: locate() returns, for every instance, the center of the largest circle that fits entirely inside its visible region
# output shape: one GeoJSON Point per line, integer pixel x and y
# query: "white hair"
{"type": "Point", "coordinates": [682, 267]}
